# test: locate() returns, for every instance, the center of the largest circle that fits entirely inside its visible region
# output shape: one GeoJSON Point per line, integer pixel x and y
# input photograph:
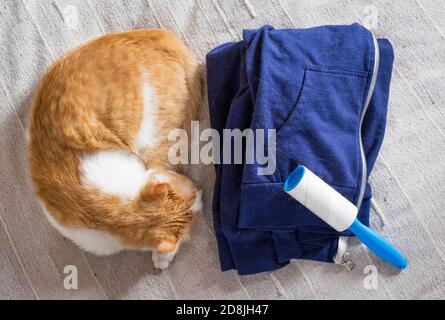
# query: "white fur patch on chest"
{"type": "Point", "coordinates": [114, 172]}
{"type": "Point", "coordinates": [147, 136]}
{"type": "Point", "coordinates": [94, 241]}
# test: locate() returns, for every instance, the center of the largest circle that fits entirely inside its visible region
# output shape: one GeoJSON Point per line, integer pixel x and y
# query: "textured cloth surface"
{"type": "Point", "coordinates": [408, 176]}
{"type": "Point", "coordinates": [310, 85]}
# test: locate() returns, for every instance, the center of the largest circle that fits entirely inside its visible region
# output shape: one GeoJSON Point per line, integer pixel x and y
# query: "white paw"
{"type": "Point", "coordinates": [197, 205]}
{"type": "Point", "coordinates": [162, 260]}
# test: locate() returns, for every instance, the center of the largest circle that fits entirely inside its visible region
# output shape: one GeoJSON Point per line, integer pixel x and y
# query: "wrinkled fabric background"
{"type": "Point", "coordinates": [408, 178]}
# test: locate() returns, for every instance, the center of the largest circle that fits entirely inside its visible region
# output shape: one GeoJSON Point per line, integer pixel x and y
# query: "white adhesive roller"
{"type": "Point", "coordinates": [334, 209]}
{"type": "Point", "coordinates": [320, 198]}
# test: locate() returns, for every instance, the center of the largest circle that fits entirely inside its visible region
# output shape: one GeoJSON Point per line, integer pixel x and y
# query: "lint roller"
{"type": "Point", "coordinates": [334, 209]}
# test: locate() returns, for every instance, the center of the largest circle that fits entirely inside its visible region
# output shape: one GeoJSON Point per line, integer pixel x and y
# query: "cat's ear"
{"type": "Point", "coordinates": [160, 189]}
{"type": "Point", "coordinates": [159, 185]}
{"type": "Point", "coordinates": [166, 245]}
{"type": "Point", "coordinates": [155, 190]}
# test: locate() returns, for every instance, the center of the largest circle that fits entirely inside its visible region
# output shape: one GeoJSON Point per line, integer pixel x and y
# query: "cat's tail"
{"type": "Point", "coordinates": [195, 88]}
{"type": "Point", "coordinates": [194, 81]}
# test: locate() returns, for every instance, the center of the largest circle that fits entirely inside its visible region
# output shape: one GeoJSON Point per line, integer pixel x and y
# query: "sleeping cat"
{"type": "Point", "coordinates": [98, 147]}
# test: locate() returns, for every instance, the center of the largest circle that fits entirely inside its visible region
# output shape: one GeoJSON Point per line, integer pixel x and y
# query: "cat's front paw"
{"type": "Point", "coordinates": [197, 204]}
{"type": "Point", "coordinates": [162, 260]}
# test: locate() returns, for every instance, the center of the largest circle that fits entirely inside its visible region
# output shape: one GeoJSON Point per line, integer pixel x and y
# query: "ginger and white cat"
{"type": "Point", "coordinates": [98, 147]}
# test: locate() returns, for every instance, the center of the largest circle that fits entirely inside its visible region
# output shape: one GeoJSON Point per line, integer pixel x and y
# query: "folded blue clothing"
{"type": "Point", "coordinates": [324, 91]}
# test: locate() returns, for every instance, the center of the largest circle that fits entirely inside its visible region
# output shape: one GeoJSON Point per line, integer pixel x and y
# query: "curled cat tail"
{"type": "Point", "coordinates": [194, 81]}
{"type": "Point", "coordinates": [195, 87]}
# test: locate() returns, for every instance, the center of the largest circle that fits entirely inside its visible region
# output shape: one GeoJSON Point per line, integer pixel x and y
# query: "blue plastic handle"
{"type": "Point", "coordinates": [378, 245]}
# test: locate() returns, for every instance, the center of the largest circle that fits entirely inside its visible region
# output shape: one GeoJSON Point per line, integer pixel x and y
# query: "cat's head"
{"type": "Point", "coordinates": [174, 201]}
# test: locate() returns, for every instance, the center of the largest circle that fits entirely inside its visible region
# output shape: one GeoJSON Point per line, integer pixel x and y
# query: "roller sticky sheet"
{"type": "Point", "coordinates": [334, 209]}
